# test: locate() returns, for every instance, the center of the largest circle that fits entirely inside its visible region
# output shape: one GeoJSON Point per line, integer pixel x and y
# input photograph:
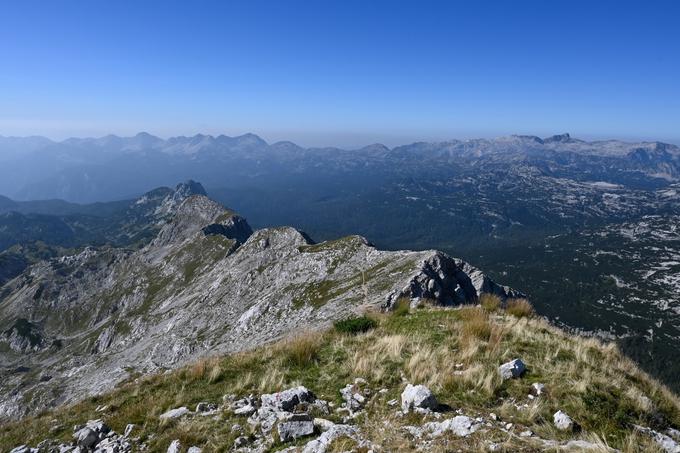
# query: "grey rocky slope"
{"type": "Point", "coordinates": [30, 231]}
{"type": "Point", "coordinates": [207, 284]}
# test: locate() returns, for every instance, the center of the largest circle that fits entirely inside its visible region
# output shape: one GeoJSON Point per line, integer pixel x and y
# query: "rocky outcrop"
{"type": "Point", "coordinates": [449, 281]}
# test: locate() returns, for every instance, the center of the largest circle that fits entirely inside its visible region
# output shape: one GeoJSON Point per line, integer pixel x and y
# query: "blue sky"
{"type": "Point", "coordinates": [341, 73]}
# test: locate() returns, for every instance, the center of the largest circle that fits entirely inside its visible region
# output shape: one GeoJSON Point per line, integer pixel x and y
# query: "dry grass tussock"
{"type": "Point", "coordinates": [490, 302]}
{"type": "Point", "coordinates": [301, 350]}
{"type": "Point", "coordinates": [520, 308]}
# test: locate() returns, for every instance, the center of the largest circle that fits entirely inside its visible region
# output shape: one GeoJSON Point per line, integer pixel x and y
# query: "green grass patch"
{"type": "Point", "coordinates": [355, 325]}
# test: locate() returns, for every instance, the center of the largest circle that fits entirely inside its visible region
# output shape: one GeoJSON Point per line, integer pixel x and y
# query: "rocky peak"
{"type": "Point", "coordinates": [188, 188]}
{"type": "Point", "coordinates": [193, 214]}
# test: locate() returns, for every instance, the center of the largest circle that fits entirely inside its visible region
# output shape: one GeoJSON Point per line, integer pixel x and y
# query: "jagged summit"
{"type": "Point", "coordinates": [188, 188]}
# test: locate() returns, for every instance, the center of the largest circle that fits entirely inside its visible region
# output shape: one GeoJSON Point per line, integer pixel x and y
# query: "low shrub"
{"type": "Point", "coordinates": [354, 325]}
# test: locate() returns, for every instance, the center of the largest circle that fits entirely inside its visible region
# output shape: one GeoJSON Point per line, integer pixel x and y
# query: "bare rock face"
{"type": "Point", "coordinates": [206, 285]}
{"type": "Point", "coordinates": [449, 281]}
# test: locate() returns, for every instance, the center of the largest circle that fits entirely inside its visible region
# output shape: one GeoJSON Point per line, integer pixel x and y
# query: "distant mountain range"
{"type": "Point", "coordinates": [112, 167]}
{"type": "Point", "coordinates": [550, 216]}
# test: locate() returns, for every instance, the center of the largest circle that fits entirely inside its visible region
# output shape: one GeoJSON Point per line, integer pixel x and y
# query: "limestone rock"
{"type": "Point", "coordinates": [287, 399]}
{"type": "Point", "coordinates": [417, 397]}
{"type": "Point", "coordinates": [175, 413]}
{"type": "Point", "coordinates": [537, 389]}
{"type": "Point", "coordinates": [562, 421]}
{"type": "Point", "coordinates": [86, 438]}
{"type": "Point", "coordinates": [513, 369]}
{"type": "Point", "coordinates": [175, 446]}
{"type": "Point", "coordinates": [295, 426]}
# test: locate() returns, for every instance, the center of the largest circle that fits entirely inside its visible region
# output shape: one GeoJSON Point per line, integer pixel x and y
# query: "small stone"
{"type": "Point", "coordinates": [245, 410]}
{"type": "Point", "coordinates": [392, 402]}
{"type": "Point", "coordinates": [562, 421]}
{"type": "Point", "coordinates": [194, 450]}
{"type": "Point", "coordinates": [322, 424]}
{"type": "Point", "coordinates": [128, 429]}
{"type": "Point", "coordinates": [296, 426]}
{"type": "Point", "coordinates": [353, 400]}
{"type": "Point", "coordinates": [205, 407]}
{"type": "Point", "coordinates": [537, 389]}
{"type": "Point", "coordinates": [175, 413]}
{"type": "Point", "coordinates": [23, 449]}
{"type": "Point", "coordinates": [512, 369]}
{"type": "Point", "coordinates": [526, 433]}
{"type": "Point", "coordinates": [175, 446]}
{"type": "Point", "coordinates": [240, 442]}
{"type": "Point", "coordinates": [508, 426]}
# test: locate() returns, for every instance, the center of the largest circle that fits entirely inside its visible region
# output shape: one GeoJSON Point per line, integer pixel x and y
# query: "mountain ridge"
{"type": "Point", "coordinates": [156, 307]}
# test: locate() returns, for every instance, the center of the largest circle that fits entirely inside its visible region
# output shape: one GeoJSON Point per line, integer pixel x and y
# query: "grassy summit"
{"type": "Point", "coordinates": [454, 352]}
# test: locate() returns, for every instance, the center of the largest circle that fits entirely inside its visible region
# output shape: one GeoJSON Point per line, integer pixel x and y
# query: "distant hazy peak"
{"type": "Point", "coordinates": [563, 138]}
{"type": "Point", "coordinates": [188, 188]}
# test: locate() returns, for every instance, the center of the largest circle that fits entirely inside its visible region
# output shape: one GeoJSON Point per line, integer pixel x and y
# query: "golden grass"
{"type": "Point", "coordinates": [476, 325]}
{"type": "Point", "coordinates": [519, 308]}
{"type": "Point", "coordinates": [302, 350]}
{"type": "Point", "coordinates": [490, 302]}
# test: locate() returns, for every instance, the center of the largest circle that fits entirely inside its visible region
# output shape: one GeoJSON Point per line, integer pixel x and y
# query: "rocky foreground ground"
{"type": "Point", "coordinates": [477, 378]}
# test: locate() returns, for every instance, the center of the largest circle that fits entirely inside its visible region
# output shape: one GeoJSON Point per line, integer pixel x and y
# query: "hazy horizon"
{"type": "Point", "coordinates": [341, 74]}
{"type": "Point", "coordinates": [327, 140]}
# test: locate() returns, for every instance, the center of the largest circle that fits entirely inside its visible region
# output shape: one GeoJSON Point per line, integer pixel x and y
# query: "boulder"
{"type": "Point", "coordinates": [562, 421]}
{"type": "Point", "coordinates": [86, 438]}
{"type": "Point", "coordinates": [295, 426]}
{"type": "Point", "coordinates": [416, 397]}
{"type": "Point", "coordinates": [513, 369]}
